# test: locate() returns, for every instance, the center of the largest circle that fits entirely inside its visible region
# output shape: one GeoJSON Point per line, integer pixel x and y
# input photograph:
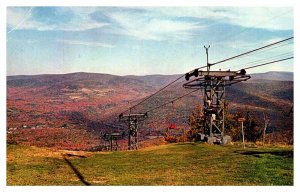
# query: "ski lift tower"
{"type": "Point", "coordinates": [213, 83]}
{"type": "Point", "coordinates": [132, 120]}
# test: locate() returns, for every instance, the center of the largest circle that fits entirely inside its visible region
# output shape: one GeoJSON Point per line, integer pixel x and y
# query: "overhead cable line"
{"type": "Point", "coordinates": [267, 63]}
{"type": "Point", "coordinates": [249, 28]}
{"type": "Point", "coordinates": [161, 89]}
{"type": "Point", "coordinates": [22, 21]}
{"type": "Point", "coordinates": [249, 52]}
{"type": "Point", "coordinates": [234, 57]}
{"type": "Point", "coordinates": [254, 50]}
{"type": "Point", "coordinates": [264, 60]}
{"type": "Point", "coordinates": [148, 97]}
{"type": "Point", "coordinates": [261, 51]}
{"type": "Point", "coordinates": [164, 104]}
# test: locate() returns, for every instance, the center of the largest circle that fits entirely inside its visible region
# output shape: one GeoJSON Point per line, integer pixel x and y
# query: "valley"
{"type": "Point", "coordinates": [72, 111]}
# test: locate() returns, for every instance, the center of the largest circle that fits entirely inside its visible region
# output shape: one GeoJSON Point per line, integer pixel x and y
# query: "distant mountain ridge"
{"type": "Point", "coordinates": [157, 78]}
{"type": "Point", "coordinates": [274, 75]}
{"type": "Point", "coordinates": [63, 109]}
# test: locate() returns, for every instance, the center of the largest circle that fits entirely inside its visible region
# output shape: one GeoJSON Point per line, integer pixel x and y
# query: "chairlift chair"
{"type": "Point", "coordinates": [171, 119]}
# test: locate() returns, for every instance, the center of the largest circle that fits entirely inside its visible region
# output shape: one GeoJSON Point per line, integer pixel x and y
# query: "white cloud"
{"type": "Point", "coordinates": [264, 18]}
{"type": "Point", "coordinates": [155, 23]}
{"type": "Point", "coordinates": [182, 23]}
{"type": "Point", "coordinates": [149, 26]}
{"type": "Point", "coordinates": [85, 43]}
{"type": "Point", "coordinates": [16, 17]}
{"type": "Point", "coordinates": [273, 18]}
{"type": "Point", "coordinates": [79, 26]}
{"type": "Point", "coordinates": [19, 18]}
{"type": "Point", "coordinates": [246, 44]}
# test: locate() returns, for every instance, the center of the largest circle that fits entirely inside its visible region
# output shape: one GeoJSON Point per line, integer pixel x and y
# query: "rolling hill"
{"type": "Point", "coordinates": [274, 75]}
{"type": "Point", "coordinates": [71, 111]}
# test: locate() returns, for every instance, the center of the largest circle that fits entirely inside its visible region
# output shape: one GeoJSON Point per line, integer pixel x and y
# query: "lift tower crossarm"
{"type": "Point", "coordinates": [137, 115]}
{"type": "Point", "coordinates": [232, 74]}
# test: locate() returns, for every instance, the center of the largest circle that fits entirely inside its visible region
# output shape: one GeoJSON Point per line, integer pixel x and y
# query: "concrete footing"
{"type": "Point", "coordinates": [226, 139]}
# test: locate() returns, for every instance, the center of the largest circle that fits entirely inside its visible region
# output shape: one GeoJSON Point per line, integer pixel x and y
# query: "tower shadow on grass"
{"type": "Point", "coordinates": [287, 154]}
{"type": "Point", "coordinates": [78, 174]}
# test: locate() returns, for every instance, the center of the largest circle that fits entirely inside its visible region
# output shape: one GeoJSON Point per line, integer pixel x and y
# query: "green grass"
{"type": "Point", "coordinates": [176, 164]}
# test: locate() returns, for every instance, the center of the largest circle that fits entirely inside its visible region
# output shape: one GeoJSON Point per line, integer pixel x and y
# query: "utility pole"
{"type": "Point", "coordinates": [243, 135]}
{"type": "Point", "coordinates": [266, 124]}
{"type": "Point", "coordinates": [111, 141]}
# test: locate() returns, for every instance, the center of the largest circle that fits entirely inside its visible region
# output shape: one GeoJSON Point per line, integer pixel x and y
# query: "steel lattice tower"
{"type": "Point", "coordinates": [132, 120]}
{"type": "Point", "coordinates": [213, 101]}
{"type": "Point", "coordinates": [213, 84]}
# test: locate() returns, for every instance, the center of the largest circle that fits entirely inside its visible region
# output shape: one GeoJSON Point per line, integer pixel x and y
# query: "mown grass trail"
{"type": "Point", "coordinates": [176, 164]}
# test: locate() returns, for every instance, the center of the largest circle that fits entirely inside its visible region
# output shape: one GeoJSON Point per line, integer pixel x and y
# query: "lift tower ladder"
{"type": "Point", "coordinates": [132, 120]}
{"type": "Point", "coordinates": [213, 83]}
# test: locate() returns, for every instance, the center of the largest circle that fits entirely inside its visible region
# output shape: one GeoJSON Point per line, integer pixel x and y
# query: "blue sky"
{"type": "Point", "coordinates": [142, 40]}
